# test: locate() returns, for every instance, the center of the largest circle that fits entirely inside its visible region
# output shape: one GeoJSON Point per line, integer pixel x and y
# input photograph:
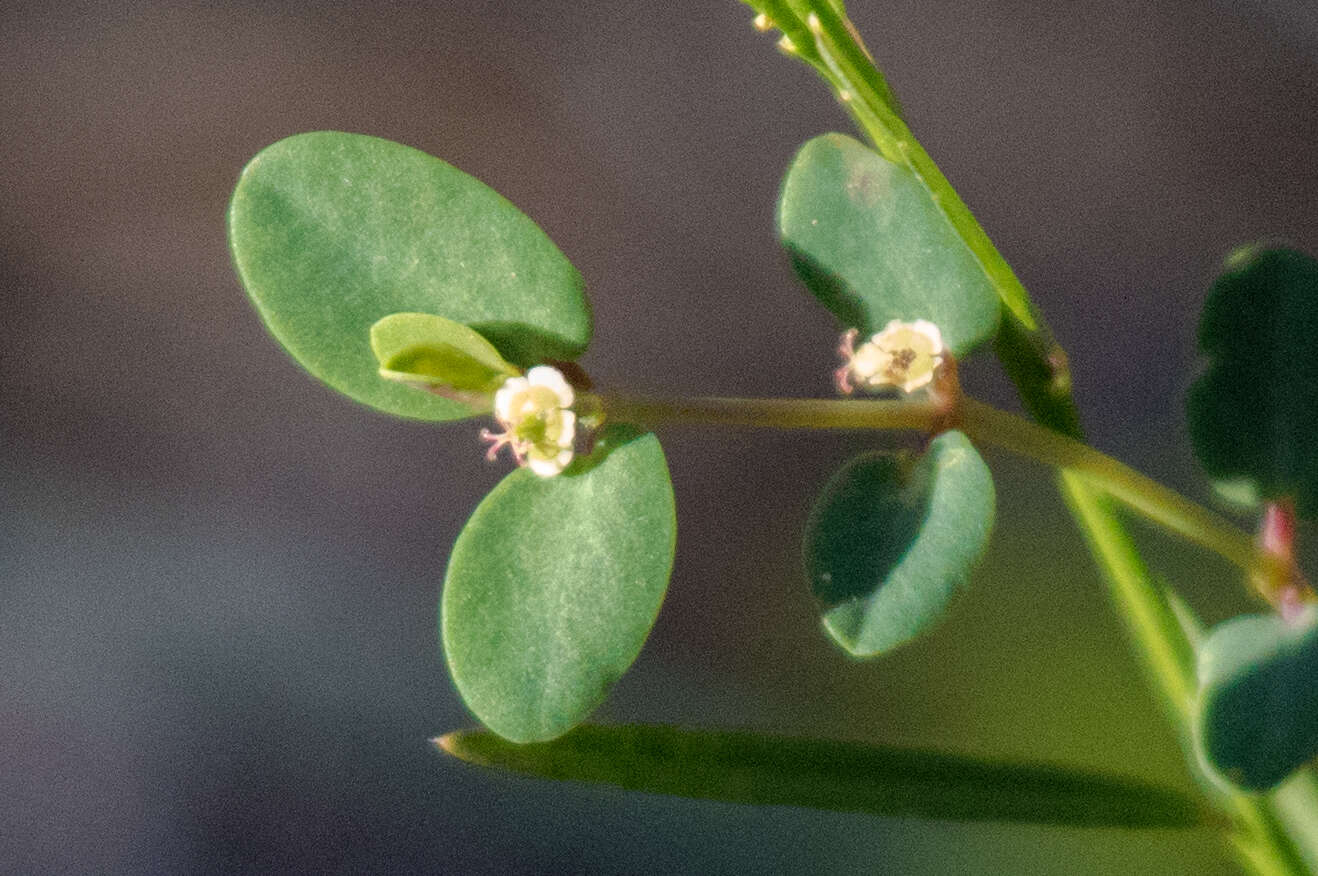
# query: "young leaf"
{"type": "Point", "coordinates": [765, 770]}
{"type": "Point", "coordinates": [331, 232]}
{"type": "Point", "coordinates": [554, 583]}
{"type": "Point", "coordinates": [867, 239]}
{"type": "Point", "coordinates": [892, 538]}
{"type": "Point", "coordinates": [1253, 413]}
{"type": "Point", "coordinates": [1257, 716]}
{"type": "Point", "coordinates": [446, 357]}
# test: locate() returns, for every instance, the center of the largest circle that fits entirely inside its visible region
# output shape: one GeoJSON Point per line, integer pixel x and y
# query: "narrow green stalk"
{"type": "Point", "coordinates": [1152, 624]}
{"type": "Point", "coordinates": [1261, 840]}
{"type": "Point", "coordinates": [1138, 492]}
{"type": "Point", "coordinates": [1038, 366]}
{"type": "Point", "coordinates": [776, 413]}
{"type": "Point", "coordinates": [985, 425]}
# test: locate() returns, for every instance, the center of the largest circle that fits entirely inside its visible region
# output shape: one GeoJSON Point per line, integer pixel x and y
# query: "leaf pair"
{"type": "Point", "coordinates": [362, 255]}
{"type": "Point", "coordinates": [892, 538]}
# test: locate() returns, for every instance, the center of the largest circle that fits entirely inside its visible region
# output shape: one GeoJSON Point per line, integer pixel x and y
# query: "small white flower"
{"type": "Point", "coordinates": [905, 355]}
{"type": "Point", "coordinates": [539, 426]}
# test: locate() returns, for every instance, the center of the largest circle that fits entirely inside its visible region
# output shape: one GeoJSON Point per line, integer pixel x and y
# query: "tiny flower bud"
{"type": "Point", "coordinates": [905, 355]}
{"type": "Point", "coordinates": [539, 426]}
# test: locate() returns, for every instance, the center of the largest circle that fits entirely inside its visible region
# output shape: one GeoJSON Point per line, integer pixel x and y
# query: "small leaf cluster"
{"type": "Point", "coordinates": [1253, 418]}
{"type": "Point", "coordinates": [415, 289]}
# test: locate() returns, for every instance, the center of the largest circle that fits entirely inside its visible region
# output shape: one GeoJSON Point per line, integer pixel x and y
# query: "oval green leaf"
{"type": "Point", "coordinates": [1253, 413]}
{"type": "Point", "coordinates": [867, 239]}
{"type": "Point", "coordinates": [892, 539]}
{"type": "Point", "coordinates": [439, 355]}
{"type": "Point", "coordinates": [766, 770]}
{"type": "Point", "coordinates": [331, 232]}
{"type": "Point", "coordinates": [1257, 718]}
{"type": "Point", "coordinates": [554, 584]}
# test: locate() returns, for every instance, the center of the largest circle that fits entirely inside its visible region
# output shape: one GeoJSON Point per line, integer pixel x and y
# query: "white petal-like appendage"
{"type": "Point", "coordinates": [930, 331]}
{"type": "Point", "coordinates": [547, 468]}
{"type": "Point", "coordinates": [568, 435]}
{"type": "Point", "coordinates": [503, 398]}
{"type": "Point", "coordinates": [552, 379]}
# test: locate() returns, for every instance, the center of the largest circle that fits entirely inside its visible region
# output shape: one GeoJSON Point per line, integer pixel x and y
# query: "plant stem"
{"type": "Point", "coordinates": [775, 413]}
{"type": "Point", "coordinates": [1137, 491]}
{"type": "Point", "coordinates": [1169, 656]}
{"type": "Point", "coordinates": [983, 424]}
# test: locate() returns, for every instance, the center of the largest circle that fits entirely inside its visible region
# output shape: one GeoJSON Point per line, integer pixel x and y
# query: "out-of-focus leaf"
{"type": "Point", "coordinates": [1253, 413]}
{"type": "Point", "coordinates": [765, 770]}
{"type": "Point", "coordinates": [1257, 716]}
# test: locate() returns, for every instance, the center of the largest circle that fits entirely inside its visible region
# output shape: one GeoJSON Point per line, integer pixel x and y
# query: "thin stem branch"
{"type": "Point", "coordinates": [1169, 656]}
{"type": "Point", "coordinates": [982, 423]}
{"type": "Point", "coordinates": [1139, 492]}
{"type": "Point", "coordinates": [776, 413]}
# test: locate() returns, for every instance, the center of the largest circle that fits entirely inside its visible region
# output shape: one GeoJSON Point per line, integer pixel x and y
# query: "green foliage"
{"type": "Point", "coordinates": [1253, 414]}
{"type": "Point", "coordinates": [872, 245]}
{"type": "Point", "coordinates": [1257, 716]}
{"type": "Point", "coordinates": [554, 584]}
{"type": "Point", "coordinates": [741, 767]}
{"type": "Point", "coordinates": [893, 537]}
{"type": "Point", "coordinates": [440, 355]}
{"type": "Point", "coordinates": [331, 232]}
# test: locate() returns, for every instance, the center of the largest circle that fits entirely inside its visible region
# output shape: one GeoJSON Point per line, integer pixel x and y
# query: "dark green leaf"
{"type": "Point", "coordinates": [1253, 414]}
{"type": "Point", "coordinates": [764, 770]}
{"type": "Point", "coordinates": [868, 240]}
{"type": "Point", "coordinates": [893, 537]}
{"type": "Point", "coordinates": [1258, 699]}
{"type": "Point", "coordinates": [553, 586]}
{"type": "Point", "coordinates": [331, 232]}
{"type": "Point", "coordinates": [440, 355]}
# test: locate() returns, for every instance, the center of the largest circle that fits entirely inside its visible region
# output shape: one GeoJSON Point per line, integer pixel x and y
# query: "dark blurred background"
{"type": "Point", "coordinates": [218, 578]}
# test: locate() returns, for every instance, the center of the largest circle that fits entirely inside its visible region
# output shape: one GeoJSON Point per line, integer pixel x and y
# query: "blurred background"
{"type": "Point", "coordinates": [218, 578]}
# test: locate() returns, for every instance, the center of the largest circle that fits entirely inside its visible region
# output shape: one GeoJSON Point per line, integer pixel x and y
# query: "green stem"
{"type": "Point", "coordinates": [775, 413]}
{"type": "Point", "coordinates": [982, 423]}
{"type": "Point", "coordinates": [1152, 624]}
{"type": "Point", "coordinates": [1137, 491]}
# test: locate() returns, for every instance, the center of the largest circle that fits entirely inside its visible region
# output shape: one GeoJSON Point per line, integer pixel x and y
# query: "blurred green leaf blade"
{"type": "Point", "coordinates": [1257, 718]}
{"type": "Point", "coordinates": [331, 232]}
{"type": "Point", "coordinates": [768, 770]}
{"type": "Point", "coordinates": [893, 537]}
{"type": "Point", "coordinates": [553, 586]}
{"type": "Point", "coordinates": [1253, 413]}
{"type": "Point", "coordinates": [866, 237]}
